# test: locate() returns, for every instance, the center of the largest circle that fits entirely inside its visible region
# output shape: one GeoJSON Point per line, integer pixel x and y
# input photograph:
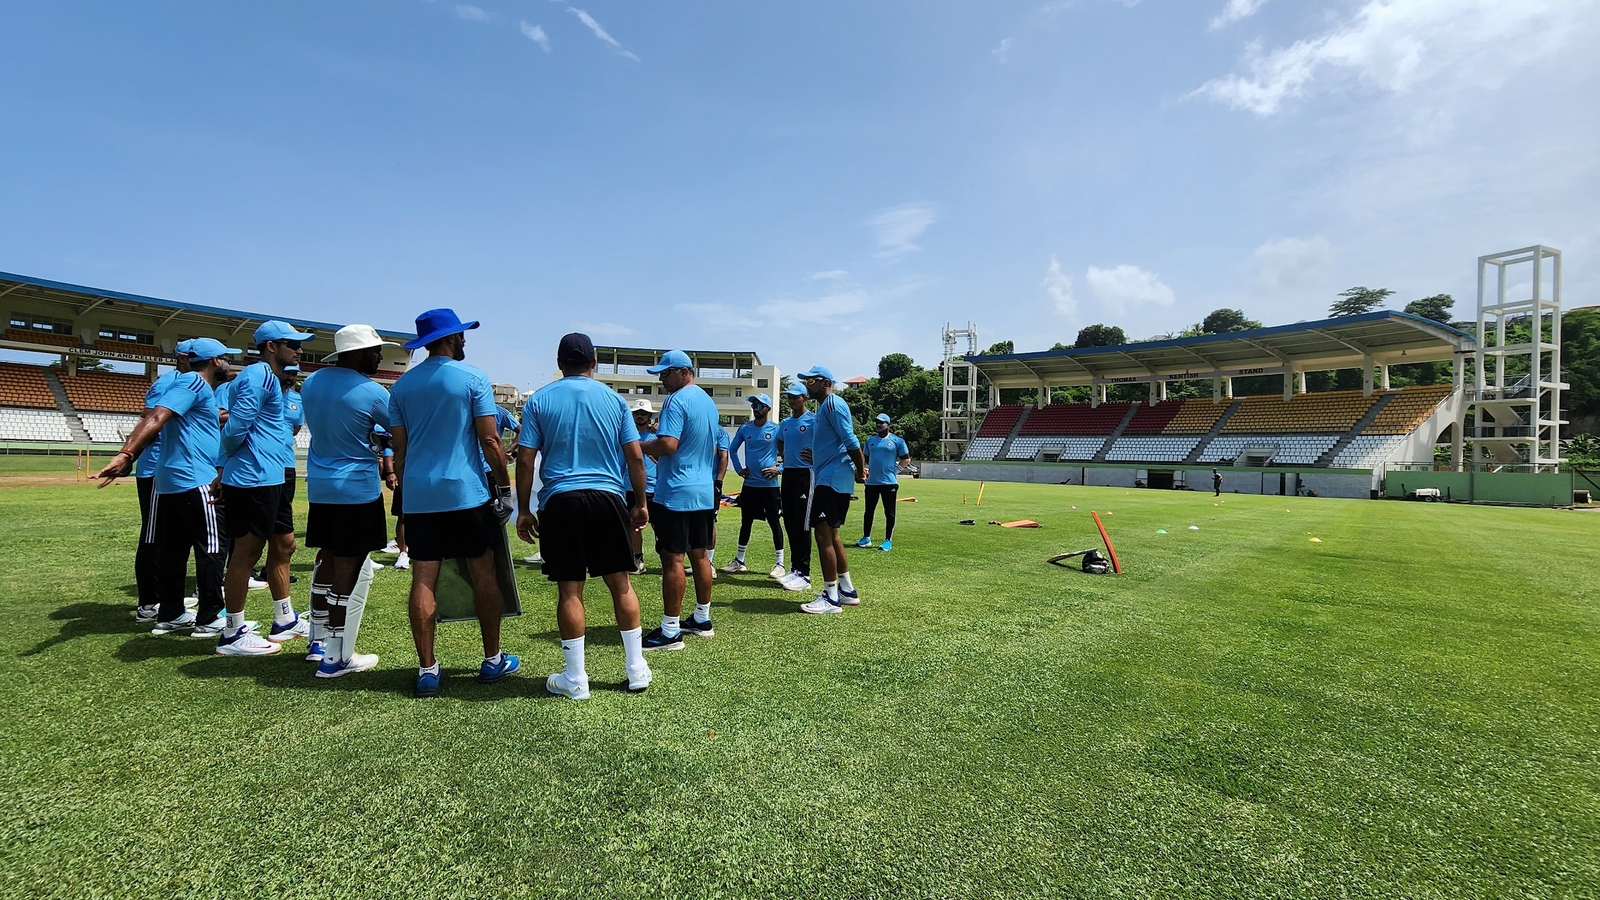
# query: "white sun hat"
{"type": "Point", "coordinates": [355, 337]}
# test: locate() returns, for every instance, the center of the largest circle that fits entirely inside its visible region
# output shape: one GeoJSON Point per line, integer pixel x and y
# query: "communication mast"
{"type": "Point", "coordinates": [961, 406]}
{"type": "Point", "coordinates": [1517, 401]}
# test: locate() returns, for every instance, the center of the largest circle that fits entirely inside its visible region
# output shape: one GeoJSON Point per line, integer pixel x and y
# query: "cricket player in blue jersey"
{"type": "Point", "coordinates": [886, 452]}
{"type": "Point", "coordinates": [759, 498]}
{"type": "Point", "coordinates": [794, 438]}
{"type": "Point", "coordinates": [144, 560]}
{"type": "Point", "coordinates": [644, 418]}
{"type": "Point", "coordinates": [837, 466]}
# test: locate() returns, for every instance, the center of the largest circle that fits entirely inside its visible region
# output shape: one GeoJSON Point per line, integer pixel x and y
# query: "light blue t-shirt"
{"type": "Point", "coordinates": [343, 408]}
{"type": "Point", "coordinates": [438, 402]}
{"type": "Point", "coordinates": [835, 437]}
{"type": "Point", "coordinates": [257, 441]}
{"type": "Point", "coordinates": [684, 479]}
{"type": "Point", "coordinates": [294, 411]}
{"type": "Point", "coordinates": [191, 440]}
{"type": "Point", "coordinates": [883, 458]}
{"type": "Point", "coordinates": [150, 460]}
{"type": "Point", "coordinates": [579, 426]}
{"type": "Point", "coordinates": [649, 464]}
{"type": "Point", "coordinates": [760, 443]}
{"type": "Point", "coordinates": [225, 392]}
{"type": "Point", "coordinates": [796, 433]}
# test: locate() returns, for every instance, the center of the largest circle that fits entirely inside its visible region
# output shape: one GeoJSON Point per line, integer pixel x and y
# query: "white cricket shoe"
{"type": "Point", "coordinates": [146, 614]}
{"type": "Point", "coordinates": [777, 573]}
{"type": "Point", "coordinates": [390, 547]}
{"type": "Point", "coordinates": [640, 678]}
{"type": "Point", "coordinates": [246, 643]}
{"type": "Point", "coordinates": [358, 662]}
{"type": "Point", "coordinates": [404, 562]}
{"type": "Point", "coordinates": [257, 584]}
{"type": "Point", "coordinates": [821, 606]}
{"type": "Point", "coordinates": [796, 582]}
{"type": "Point", "coordinates": [561, 685]}
{"type": "Point", "coordinates": [735, 567]}
{"type": "Point", "coordinates": [299, 628]}
{"type": "Point", "coordinates": [534, 560]}
{"type": "Point", "coordinates": [191, 603]}
{"type": "Point", "coordinates": [181, 623]}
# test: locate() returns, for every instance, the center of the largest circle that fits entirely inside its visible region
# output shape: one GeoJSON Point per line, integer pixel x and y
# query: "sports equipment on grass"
{"type": "Point", "coordinates": [453, 593]}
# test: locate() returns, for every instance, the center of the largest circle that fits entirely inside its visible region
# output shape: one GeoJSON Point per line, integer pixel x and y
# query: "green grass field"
{"type": "Point", "coordinates": [1406, 709]}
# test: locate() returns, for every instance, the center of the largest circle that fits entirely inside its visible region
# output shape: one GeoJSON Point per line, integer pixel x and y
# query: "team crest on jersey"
{"type": "Point", "coordinates": [803, 428]}
{"type": "Point", "coordinates": [767, 436]}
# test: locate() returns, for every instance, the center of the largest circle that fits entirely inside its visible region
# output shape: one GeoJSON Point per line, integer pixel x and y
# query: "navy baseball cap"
{"type": "Point", "coordinates": [672, 359]}
{"type": "Point", "coordinates": [795, 389]}
{"type": "Point", "coordinates": [884, 418]}
{"type": "Point", "coordinates": [202, 349]}
{"type": "Point", "coordinates": [435, 324]}
{"type": "Point", "coordinates": [273, 330]}
{"type": "Point", "coordinates": [817, 372]}
{"type": "Point", "coordinates": [762, 399]}
{"type": "Point", "coordinates": [575, 349]}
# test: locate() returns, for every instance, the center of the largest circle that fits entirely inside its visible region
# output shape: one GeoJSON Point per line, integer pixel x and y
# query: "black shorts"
{"type": "Point", "coordinates": [585, 531]}
{"type": "Point", "coordinates": [291, 479]}
{"type": "Point", "coordinates": [262, 511]}
{"type": "Point", "coordinates": [147, 510]}
{"type": "Point", "coordinates": [394, 508]}
{"type": "Point", "coordinates": [347, 529]}
{"type": "Point", "coordinates": [760, 502]}
{"type": "Point", "coordinates": [649, 498]}
{"type": "Point", "coordinates": [456, 534]}
{"type": "Point", "coordinates": [828, 505]}
{"type": "Point", "coordinates": [680, 532]}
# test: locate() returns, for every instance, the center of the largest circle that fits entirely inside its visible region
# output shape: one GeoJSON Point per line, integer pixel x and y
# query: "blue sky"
{"type": "Point", "coordinates": [822, 182]}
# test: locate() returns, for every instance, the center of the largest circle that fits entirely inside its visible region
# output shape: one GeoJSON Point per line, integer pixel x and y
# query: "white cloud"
{"type": "Point", "coordinates": [1002, 51]}
{"type": "Point", "coordinates": [1127, 286]}
{"type": "Point", "coordinates": [470, 13]}
{"type": "Point", "coordinates": [536, 34]}
{"type": "Point", "coordinates": [1059, 287]}
{"type": "Point", "coordinates": [1290, 264]}
{"type": "Point", "coordinates": [1393, 45]}
{"type": "Point", "coordinates": [896, 229]}
{"type": "Point", "coordinates": [1235, 11]}
{"type": "Point", "coordinates": [601, 33]}
{"type": "Point", "coordinates": [604, 330]}
{"type": "Point", "coordinates": [829, 275]}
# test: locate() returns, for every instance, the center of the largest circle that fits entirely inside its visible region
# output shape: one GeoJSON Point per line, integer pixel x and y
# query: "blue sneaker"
{"type": "Point", "coordinates": [316, 651]}
{"type": "Point", "coordinates": [864, 542]}
{"type": "Point", "coordinates": [282, 634]}
{"type": "Point", "coordinates": [427, 684]}
{"type": "Point", "coordinates": [886, 545]}
{"type": "Point", "coordinates": [655, 640]}
{"type": "Point", "coordinates": [489, 672]}
{"type": "Point", "coordinates": [849, 598]}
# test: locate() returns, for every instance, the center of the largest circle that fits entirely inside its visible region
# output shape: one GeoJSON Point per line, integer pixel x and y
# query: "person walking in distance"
{"type": "Point", "coordinates": [759, 498]}
{"type": "Point", "coordinates": [442, 426]}
{"type": "Point", "coordinates": [1216, 483]}
{"type": "Point", "coordinates": [885, 454]}
{"type": "Point", "coordinates": [583, 438]}
{"type": "Point", "coordinates": [794, 439]}
{"type": "Point", "coordinates": [838, 466]}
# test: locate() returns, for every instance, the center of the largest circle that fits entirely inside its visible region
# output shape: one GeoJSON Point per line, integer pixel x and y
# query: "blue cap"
{"type": "Point", "coordinates": [435, 324]}
{"type": "Point", "coordinates": [762, 399]}
{"type": "Point", "coordinates": [672, 359]}
{"type": "Point", "coordinates": [183, 347]}
{"type": "Point", "coordinates": [817, 372]}
{"type": "Point", "coordinates": [884, 418]}
{"type": "Point", "coordinates": [202, 349]}
{"type": "Point", "coordinates": [273, 330]}
{"type": "Point", "coordinates": [795, 389]}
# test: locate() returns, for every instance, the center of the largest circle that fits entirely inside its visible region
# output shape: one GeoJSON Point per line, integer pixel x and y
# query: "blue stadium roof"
{"type": "Point", "coordinates": [1386, 336]}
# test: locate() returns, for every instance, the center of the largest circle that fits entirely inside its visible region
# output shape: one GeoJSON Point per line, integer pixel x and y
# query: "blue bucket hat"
{"type": "Point", "coordinates": [435, 324]}
{"type": "Point", "coordinates": [884, 418]}
{"type": "Point", "coordinates": [202, 349]}
{"type": "Point", "coordinates": [672, 359]}
{"type": "Point", "coordinates": [817, 372]}
{"type": "Point", "coordinates": [762, 399]}
{"type": "Point", "coordinates": [795, 389]}
{"type": "Point", "coordinates": [273, 330]}
{"type": "Point", "coordinates": [183, 348]}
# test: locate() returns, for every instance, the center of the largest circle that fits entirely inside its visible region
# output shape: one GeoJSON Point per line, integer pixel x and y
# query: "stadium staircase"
{"type": "Point", "coordinates": [1332, 453]}
{"type": "Point", "coordinates": [1122, 426]}
{"type": "Point", "coordinates": [68, 411]}
{"type": "Point", "coordinates": [1216, 429]}
{"type": "Point", "coordinates": [1015, 430]}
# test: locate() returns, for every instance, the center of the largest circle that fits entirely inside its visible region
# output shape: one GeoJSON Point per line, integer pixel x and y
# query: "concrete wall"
{"type": "Point", "coordinates": [1351, 483]}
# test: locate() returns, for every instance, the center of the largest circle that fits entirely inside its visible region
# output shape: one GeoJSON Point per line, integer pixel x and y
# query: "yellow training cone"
{"type": "Point", "coordinates": [1316, 540]}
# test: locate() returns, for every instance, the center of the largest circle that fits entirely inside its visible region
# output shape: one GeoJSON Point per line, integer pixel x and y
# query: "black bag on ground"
{"type": "Point", "coordinates": [1095, 563]}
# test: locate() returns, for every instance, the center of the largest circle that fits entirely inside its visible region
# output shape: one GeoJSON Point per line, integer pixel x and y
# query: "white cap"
{"type": "Point", "coordinates": [355, 337]}
{"type": "Point", "coordinates": [642, 405]}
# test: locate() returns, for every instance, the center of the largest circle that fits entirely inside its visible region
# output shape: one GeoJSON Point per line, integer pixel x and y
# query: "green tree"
{"type": "Point", "coordinates": [895, 365]}
{"type": "Point", "coordinates": [1223, 321]}
{"type": "Point", "coordinates": [1001, 348]}
{"type": "Point", "coordinates": [1436, 307]}
{"type": "Point", "coordinates": [1580, 361]}
{"type": "Point", "coordinates": [1100, 335]}
{"type": "Point", "coordinates": [1358, 300]}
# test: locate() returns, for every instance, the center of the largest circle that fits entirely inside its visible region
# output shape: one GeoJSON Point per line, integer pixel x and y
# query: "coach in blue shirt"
{"type": "Point", "coordinates": [759, 499]}
{"type": "Point", "coordinates": [683, 513]}
{"type": "Point", "coordinates": [794, 439]}
{"type": "Point", "coordinates": [583, 438]}
{"type": "Point", "coordinates": [885, 453]}
{"type": "Point", "coordinates": [344, 407]}
{"type": "Point", "coordinates": [444, 432]}
{"type": "Point", "coordinates": [144, 559]}
{"type": "Point", "coordinates": [188, 502]}
{"type": "Point", "coordinates": [644, 419]}
{"type": "Point", "coordinates": [837, 467]}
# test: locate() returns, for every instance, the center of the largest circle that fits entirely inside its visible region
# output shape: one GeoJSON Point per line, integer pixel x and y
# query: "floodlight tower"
{"type": "Point", "coordinates": [1517, 401]}
{"type": "Point", "coordinates": [961, 402]}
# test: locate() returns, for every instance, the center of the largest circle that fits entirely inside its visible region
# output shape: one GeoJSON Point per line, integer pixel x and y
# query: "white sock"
{"type": "Point", "coordinates": [235, 622]}
{"type": "Point", "coordinates": [429, 670]}
{"type": "Point", "coordinates": [283, 611]}
{"type": "Point", "coordinates": [702, 612]}
{"type": "Point", "coordinates": [830, 589]}
{"type": "Point", "coordinates": [739, 556]}
{"type": "Point", "coordinates": [670, 626]}
{"type": "Point", "coordinates": [711, 555]}
{"type": "Point", "coordinates": [844, 581]}
{"type": "Point", "coordinates": [633, 647]}
{"type": "Point", "coordinates": [572, 649]}
{"type": "Point", "coordinates": [780, 556]}
{"type": "Point", "coordinates": [494, 660]}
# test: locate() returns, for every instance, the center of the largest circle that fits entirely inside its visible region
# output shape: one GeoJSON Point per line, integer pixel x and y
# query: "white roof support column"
{"type": "Point", "coordinates": [1366, 375]}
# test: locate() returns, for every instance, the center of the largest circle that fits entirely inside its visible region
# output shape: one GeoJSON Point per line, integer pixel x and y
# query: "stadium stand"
{"type": "Point", "coordinates": [1074, 418]}
{"type": "Point", "coordinates": [1066, 447]}
{"type": "Point", "coordinates": [1409, 409]}
{"type": "Point", "coordinates": [983, 448]}
{"type": "Point", "coordinates": [1152, 449]}
{"type": "Point", "coordinates": [1286, 449]}
{"type": "Point", "coordinates": [1195, 416]}
{"type": "Point", "coordinates": [33, 425]}
{"type": "Point", "coordinates": [1303, 414]}
{"type": "Point", "coordinates": [1366, 451]}
{"type": "Point", "coordinates": [111, 346]}
{"type": "Point", "coordinates": [302, 441]}
{"type": "Point", "coordinates": [108, 428]}
{"type": "Point", "coordinates": [25, 386]}
{"type": "Point", "coordinates": [999, 422]}
{"type": "Point", "coordinates": [106, 391]}
{"type": "Point", "coordinates": [43, 338]}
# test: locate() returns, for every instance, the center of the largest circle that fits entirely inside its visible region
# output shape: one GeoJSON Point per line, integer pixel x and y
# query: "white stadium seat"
{"type": "Point", "coordinates": [33, 425]}
{"type": "Point", "coordinates": [1151, 449]}
{"type": "Point", "coordinates": [1080, 448]}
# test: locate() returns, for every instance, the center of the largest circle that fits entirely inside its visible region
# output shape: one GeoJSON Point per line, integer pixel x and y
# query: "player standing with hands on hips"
{"type": "Point", "coordinates": [759, 499]}
{"type": "Point", "coordinates": [885, 453]}
{"type": "Point", "coordinates": [837, 466]}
